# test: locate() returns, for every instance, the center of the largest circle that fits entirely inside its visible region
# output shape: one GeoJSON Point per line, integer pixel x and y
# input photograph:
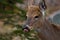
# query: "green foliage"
{"type": "Point", "coordinates": [20, 1]}
{"type": "Point", "coordinates": [10, 3]}
{"type": "Point", "coordinates": [27, 35]}
{"type": "Point", "coordinates": [7, 8]}
{"type": "Point", "coordinates": [5, 37]}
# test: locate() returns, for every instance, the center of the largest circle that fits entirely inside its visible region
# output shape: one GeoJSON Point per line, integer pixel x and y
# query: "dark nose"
{"type": "Point", "coordinates": [25, 28]}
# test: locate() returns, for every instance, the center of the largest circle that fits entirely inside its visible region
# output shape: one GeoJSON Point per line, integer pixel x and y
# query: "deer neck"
{"type": "Point", "coordinates": [47, 31]}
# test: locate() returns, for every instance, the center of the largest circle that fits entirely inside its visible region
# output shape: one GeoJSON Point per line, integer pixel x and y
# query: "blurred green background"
{"type": "Point", "coordinates": [11, 21]}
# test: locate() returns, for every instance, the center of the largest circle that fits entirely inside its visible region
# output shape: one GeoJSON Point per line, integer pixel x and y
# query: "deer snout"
{"type": "Point", "coordinates": [26, 28]}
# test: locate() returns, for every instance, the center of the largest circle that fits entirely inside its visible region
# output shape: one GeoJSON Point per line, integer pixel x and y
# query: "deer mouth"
{"type": "Point", "coordinates": [26, 28]}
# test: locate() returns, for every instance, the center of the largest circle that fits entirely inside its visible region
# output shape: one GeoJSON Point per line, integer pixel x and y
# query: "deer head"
{"type": "Point", "coordinates": [35, 16]}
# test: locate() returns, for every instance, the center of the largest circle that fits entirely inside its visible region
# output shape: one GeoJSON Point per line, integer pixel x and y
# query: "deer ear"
{"type": "Point", "coordinates": [42, 5]}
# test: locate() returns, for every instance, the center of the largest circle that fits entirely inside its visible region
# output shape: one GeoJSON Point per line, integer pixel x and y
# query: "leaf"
{"type": "Point", "coordinates": [19, 1]}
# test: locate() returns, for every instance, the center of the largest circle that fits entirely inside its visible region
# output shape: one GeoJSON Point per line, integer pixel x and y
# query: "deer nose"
{"type": "Point", "coordinates": [26, 28]}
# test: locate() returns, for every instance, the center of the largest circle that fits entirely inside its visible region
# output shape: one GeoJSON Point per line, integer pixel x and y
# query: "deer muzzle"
{"type": "Point", "coordinates": [28, 25]}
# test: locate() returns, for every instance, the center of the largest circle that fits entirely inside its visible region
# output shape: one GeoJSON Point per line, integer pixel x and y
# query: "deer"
{"type": "Point", "coordinates": [37, 19]}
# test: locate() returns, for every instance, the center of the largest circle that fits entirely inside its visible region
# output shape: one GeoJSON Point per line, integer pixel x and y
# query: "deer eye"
{"type": "Point", "coordinates": [36, 16]}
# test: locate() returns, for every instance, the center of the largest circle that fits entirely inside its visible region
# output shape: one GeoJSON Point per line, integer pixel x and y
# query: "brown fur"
{"type": "Point", "coordinates": [45, 30]}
